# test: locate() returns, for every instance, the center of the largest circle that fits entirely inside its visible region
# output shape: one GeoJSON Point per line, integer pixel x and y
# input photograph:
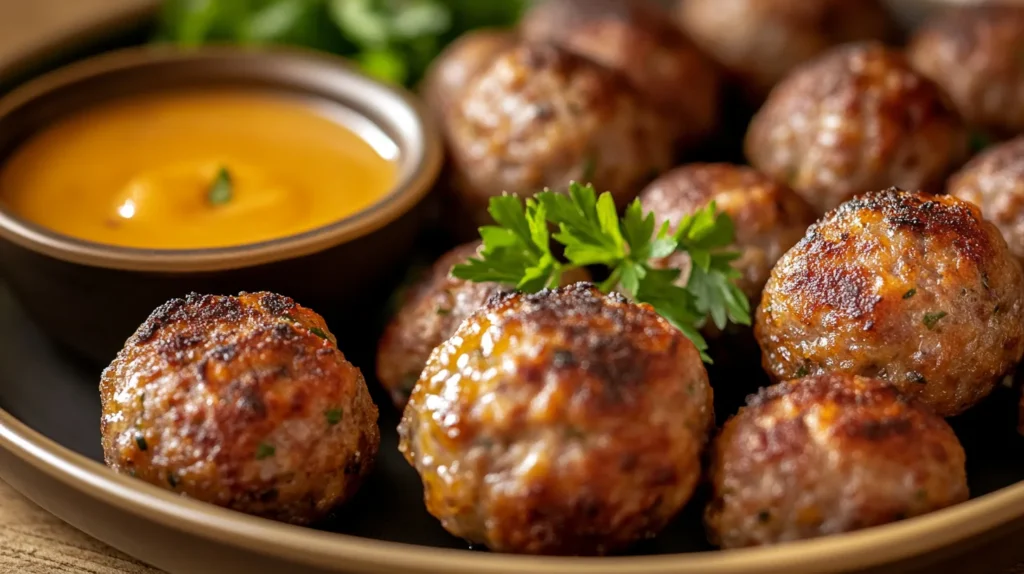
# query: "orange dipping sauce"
{"type": "Point", "coordinates": [196, 169]}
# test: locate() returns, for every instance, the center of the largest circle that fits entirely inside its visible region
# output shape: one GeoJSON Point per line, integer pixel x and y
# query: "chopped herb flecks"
{"type": "Point", "coordinates": [264, 450]}
{"type": "Point", "coordinates": [318, 332]}
{"type": "Point", "coordinates": [910, 293]}
{"type": "Point", "coordinates": [443, 311]}
{"type": "Point", "coordinates": [222, 188]}
{"type": "Point", "coordinates": [803, 371]}
{"type": "Point", "coordinates": [930, 319]}
{"type": "Point", "coordinates": [333, 416]}
{"type": "Point", "coordinates": [140, 441]}
{"type": "Point", "coordinates": [916, 377]}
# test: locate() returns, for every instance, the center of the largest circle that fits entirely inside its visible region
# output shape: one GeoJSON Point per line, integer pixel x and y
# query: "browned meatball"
{"type": "Point", "coordinates": [913, 289]}
{"type": "Point", "coordinates": [994, 181]}
{"type": "Point", "coordinates": [434, 307]}
{"type": "Point", "coordinates": [853, 120]}
{"type": "Point", "coordinates": [540, 117]}
{"type": "Point", "coordinates": [564, 422]}
{"type": "Point", "coordinates": [243, 402]}
{"type": "Point", "coordinates": [458, 64]}
{"type": "Point", "coordinates": [760, 41]}
{"type": "Point", "coordinates": [769, 218]}
{"type": "Point", "coordinates": [638, 39]}
{"type": "Point", "coordinates": [829, 454]}
{"type": "Point", "coordinates": [974, 53]}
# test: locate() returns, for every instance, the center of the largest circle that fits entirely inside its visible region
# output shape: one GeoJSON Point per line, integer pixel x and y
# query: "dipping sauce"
{"type": "Point", "coordinates": [195, 169]}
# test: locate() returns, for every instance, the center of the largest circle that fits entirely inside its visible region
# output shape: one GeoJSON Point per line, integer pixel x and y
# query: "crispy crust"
{"type": "Point", "coordinates": [853, 120]}
{"type": "Point", "coordinates": [994, 181]}
{"type": "Point", "coordinates": [244, 402]}
{"type": "Point", "coordinates": [913, 289]}
{"type": "Point", "coordinates": [828, 454]}
{"type": "Point", "coordinates": [565, 422]}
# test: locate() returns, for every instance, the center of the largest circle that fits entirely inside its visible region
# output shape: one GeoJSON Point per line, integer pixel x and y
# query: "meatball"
{"type": "Point", "coordinates": [853, 120]}
{"type": "Point", "coordinates": [913, 289]}
{"type": "Point", "coordinates": [540, 117]}
{"type": "Point", "coordinates": [563, 422]}
{"type": "Point", "coordinates": [638, 39]}
{"type": "Point", "coordinates": [458, 64]}
{"type": "Point", "coordinates": [974, 53]}
{"type": "Point", "coordinates": [244, 402]}
{"type": "Point", "coordinates": [760, 41]}
{"type": "Point", "coordinates": [994, 181]}
{"type": "Point", "coordinates": [829, 454]}
{"type": "Point", "coordinates": [769, 218]}
{"type": "Point", "coordinates": [433, 308]}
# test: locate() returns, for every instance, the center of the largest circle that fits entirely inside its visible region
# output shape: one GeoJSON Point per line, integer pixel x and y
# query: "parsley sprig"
{"type": "Point", "coordinates": [517, 252]}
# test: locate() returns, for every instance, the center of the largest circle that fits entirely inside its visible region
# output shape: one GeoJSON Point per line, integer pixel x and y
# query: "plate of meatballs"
{"type": "Point", "coordinates": [833, 189]}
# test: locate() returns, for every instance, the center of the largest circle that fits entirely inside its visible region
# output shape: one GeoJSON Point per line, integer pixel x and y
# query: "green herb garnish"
{"type": "Point", "coordinates": [221, 189]}
{"type": "Point", "coordinates": [172, 479]}
{"type": "Point", "coordinates": [140, 441]}
{"type": "Point", "coordinates": [910, 293]}
{"type": "Point", "coordinates": [803, 371]}
{"type": "Point", "coordinates": [333, 416]}
{"type": "Point", "coordinates": [930, 319]}
{"type": "Point", "coordinates": [264, 450]}
{"type": "Point", "coordinates": [319, 333]}
{"type": "Point", "coordinates": [394, 40]}
{"type": "Point", "coordinates": [517, 252]}
{"type": "Point", "coordinates": [916, 377]}
{"type": "Point", "coordinates": [978, 141]}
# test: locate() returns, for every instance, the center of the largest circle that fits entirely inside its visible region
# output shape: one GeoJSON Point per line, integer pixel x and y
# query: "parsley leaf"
{"type": "Point", "coordinates": [517, 252]}
{"type": "Point", "coordinates": [221, 189]}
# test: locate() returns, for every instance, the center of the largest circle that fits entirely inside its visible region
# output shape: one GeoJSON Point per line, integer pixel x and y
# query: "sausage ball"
{"type": "Point", "coordinates": [244, 402]}
{"type": "Point", "coordinates": [829, 454]}
{"type": "Point", "coordinates": [994, 181]}
{"type": "Point", "coordinates": [974, 54]}
{"type": "Point", "coordinates": [563, 422]}
{"type": "Point", "coordinates": [760, 41]}
{"type": "Point", "coordinates": [539, 117]}
{"type": "Point", "coordinates": [913, 289]}
{"type": "Point", "coordinates": [638, 39]}
{"type": "Point", "coordinates": [853, 120]}
{"type": "Point", "coordinates": [433, 308]}
{"type": "Point", "coordinates": [769, 218]}
{"type": "Point", "coordinates": [458, 64]}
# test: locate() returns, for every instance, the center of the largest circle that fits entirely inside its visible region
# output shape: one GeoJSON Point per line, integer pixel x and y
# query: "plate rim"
{"type": "Point", "coordinates": [310, 547]}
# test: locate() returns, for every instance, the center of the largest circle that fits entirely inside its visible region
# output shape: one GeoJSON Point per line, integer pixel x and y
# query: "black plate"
{"type": "Point", "coordinates": [57, 395]}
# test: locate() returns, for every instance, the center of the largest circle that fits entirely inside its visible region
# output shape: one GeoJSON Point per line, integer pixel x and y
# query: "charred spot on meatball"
{"type": "Point", "coordinates": [760, 41]}
{"type": "Point", "coordinates": [994, 181]}
{"type": "Point", "coordinates": [829, 454]}
{"type": "Point", "coordinates": [856, 119]}
{"type": "Point", "coordinates": [975, 54]}
{"type": "Point", "coordinates": [914, 289]}
{"type": "Point", "coordinates": [540, 117]}
{"type": "Point", "coordinates": [458, 64]}
{"type": "Point", "coordinates": [562, 422]}
{"type": "Point", "coordinates": [768, 217]}
{"type": "Point", "coordinates": [244, 402]}
{"type": "Point", "coordinates": [638, 39]}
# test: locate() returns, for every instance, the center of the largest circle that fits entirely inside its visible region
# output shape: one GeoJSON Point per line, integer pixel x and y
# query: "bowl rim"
{"type": "Point", "coordinates": [310, 547]}
{"type": "Point", "coordinates": [418, 167]}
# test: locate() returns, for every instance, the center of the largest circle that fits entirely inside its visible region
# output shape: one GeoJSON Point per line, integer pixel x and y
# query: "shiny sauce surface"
{"type": "Point", "coordinates": [195, 169]}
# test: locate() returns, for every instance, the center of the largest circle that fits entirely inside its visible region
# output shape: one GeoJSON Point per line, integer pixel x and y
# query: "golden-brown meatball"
{"type": "Point", "coordinates": [458, 64]}
{"type": "Point", "coordinates": [433, 308]}
{"type": "Point", "coordinates": [974, 54]}
{"type": "Point", "coordinates": [914, 289]}
{"type": "Point", "coordinates": [564, 422]}
{"type": "Point", "coordinates": [829, 454]}
{"type": "Point", "coordinates": [540, 116]}
{"type": "Point", "coordinates": [769, 218]}
{"type": "Point", "coordinates": [244, 402]}
{"type": "Point", "coordinates": [854, 120]}
{"type": "Point", "coordinates": [760, 41]}
{"type": "Point", "coordinates": [638, 39]}
{"type": "Point", "coordinates": [994, 181]}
